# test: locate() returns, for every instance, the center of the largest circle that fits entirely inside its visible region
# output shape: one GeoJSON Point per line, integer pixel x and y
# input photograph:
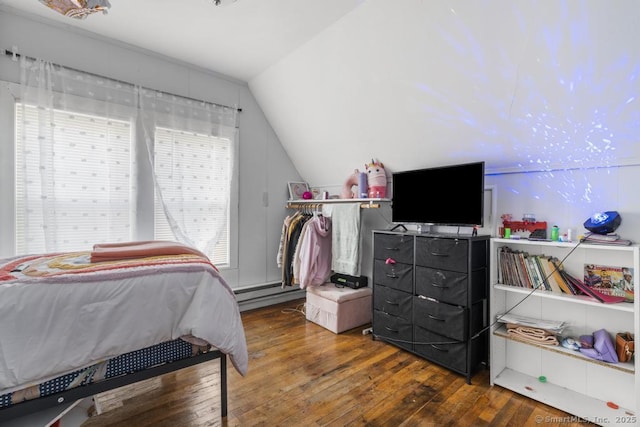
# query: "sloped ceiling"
{"type": "Point", "coordinates": [520, 84]}
{"type": "Point", "coordinates": [239, 38]}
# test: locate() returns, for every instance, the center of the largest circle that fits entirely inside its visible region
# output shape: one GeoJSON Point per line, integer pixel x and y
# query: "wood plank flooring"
{"type": "Point", "coordinates": [301, 374]}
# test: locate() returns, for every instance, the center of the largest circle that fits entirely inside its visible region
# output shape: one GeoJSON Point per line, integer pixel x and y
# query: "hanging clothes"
{"type": "Point", "coordinates": [293, 235]}
{"type": "Point", "coordinates": [345, 219]}
{"type": "Point", "coordinates": [314, 253]}
{"type": "Point", "coordinates": [284, 237]}
{"type": "Point", "coordinates": [296, 254]}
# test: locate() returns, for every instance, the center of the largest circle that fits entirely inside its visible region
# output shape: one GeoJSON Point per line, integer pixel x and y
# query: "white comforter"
{"type": "Point", "coordinates": [70, 318]}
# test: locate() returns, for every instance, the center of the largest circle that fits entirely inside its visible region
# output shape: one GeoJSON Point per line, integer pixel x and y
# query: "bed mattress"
{"type": "Point", "coordinates": [60, 312]}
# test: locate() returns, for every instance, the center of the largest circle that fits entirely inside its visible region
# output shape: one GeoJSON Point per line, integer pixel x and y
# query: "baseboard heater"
{"type": "Point", "coordinates": [265, 295]}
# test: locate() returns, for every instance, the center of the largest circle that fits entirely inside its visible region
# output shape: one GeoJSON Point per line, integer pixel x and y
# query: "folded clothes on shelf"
{"type": "Point", "coordinates": [533, 335]}
{"type": "Point", "coordinates": [553, 326]}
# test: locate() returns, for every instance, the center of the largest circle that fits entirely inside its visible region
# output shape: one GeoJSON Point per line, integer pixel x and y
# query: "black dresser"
{"type": "Point", "coordinates": [430, 296]}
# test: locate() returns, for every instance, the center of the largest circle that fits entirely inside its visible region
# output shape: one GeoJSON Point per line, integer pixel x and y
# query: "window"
{"type": "Point", "coordinates": [89, 175]}
{"type": "Point", "coordinates": [93, 183]}
{"type": "Point", "coordinates": [193, 171]}
{"type": "Point", "coordinates": [99, 160]}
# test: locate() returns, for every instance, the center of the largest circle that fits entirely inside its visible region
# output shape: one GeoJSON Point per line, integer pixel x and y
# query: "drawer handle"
{"type": "Point", "coordinates": [435, 285]}
{"type": "Point", "coordinates": [435, 318]}
{"type": "Point", "coordinates": [439, 349]}
{"type": "Point", "coordinates": [391, 302]}
{"type": "Point", "coordinates": [392, 249]}
{"type": "Point", "coordinates": [438, 254]}
{"type": "Point", "coordinates": [391, 330]}
{"type": "Point", "coordinates": [392, 275]}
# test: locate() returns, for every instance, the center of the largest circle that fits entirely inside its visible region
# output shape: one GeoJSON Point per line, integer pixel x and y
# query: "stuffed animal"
{"type": "Point", "coordinates": [376, 179]}
{"type": "Point", "coordinates": [347, 192]}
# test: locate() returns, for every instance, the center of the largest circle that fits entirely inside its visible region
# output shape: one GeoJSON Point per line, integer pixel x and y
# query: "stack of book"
{"type": "Point", "coordinates": [519, 268]}
{"type": "Point", "coordinates": [605, 239]}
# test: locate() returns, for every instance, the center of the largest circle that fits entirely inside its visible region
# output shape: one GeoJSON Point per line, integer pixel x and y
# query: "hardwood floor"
{"type": "Point", "coordinates": [301, 374]}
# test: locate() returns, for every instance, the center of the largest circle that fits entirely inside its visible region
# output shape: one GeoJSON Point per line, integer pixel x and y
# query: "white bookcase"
{"type": "Point", "coordinates": [585, 387]}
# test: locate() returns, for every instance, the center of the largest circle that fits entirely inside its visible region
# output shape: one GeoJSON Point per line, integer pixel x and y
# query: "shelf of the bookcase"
{"type": "Point", "coordinates": [566, 244]}
{"type": "Point", "coordinates": [501, 331]}
{"type": "Point", "coordinates": [590, 409]}
{"type": "Point", "coordinates": [576, 299]}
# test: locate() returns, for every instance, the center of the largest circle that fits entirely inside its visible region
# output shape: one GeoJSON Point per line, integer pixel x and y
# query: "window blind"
{"type": "Point", "coordinates": [193, 172]}
{"type": "Point", "coordinates": [90, 174]}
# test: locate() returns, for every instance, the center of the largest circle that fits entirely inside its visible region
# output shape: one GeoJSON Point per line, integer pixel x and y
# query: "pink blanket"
{"type": "Point", "coordinates": [144, 249]}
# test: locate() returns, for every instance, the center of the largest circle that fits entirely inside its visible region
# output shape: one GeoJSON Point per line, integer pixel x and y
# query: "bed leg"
{"type": "Point", "coordinates": [223, 384]}
{"type": "Point", "coordinates": [97, 406]}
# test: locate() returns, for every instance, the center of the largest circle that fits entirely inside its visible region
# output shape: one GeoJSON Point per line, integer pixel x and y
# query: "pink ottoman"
{"type": "Point", "coordinates": [338, 309]}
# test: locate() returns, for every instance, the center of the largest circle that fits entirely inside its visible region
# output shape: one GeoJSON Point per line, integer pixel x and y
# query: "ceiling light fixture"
{"type": "Point", "coordinates": [78, 9]}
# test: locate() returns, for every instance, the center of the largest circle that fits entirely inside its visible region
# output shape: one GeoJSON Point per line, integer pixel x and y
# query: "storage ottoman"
{"type": "Point", "coordinates": [338, 309]}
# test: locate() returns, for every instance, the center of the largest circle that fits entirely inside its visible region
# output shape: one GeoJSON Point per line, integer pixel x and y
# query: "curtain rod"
{"type": "Point", "coordinates": [16, 55]}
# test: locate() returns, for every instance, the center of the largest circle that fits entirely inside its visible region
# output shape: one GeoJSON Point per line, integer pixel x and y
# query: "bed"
{"type": "Point", "coordinates": [75, 324]}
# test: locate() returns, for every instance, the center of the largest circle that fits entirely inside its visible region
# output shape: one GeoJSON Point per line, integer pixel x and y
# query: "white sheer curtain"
{"type": "Point", "coordinates": [77, 180]}
{"type": "Point", "coordinates": [191, 145]}
{"type": "Point", "coordinates": [75, 171]}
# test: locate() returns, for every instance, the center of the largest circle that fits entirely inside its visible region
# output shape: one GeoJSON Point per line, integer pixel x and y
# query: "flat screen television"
{"type": "Point", "coordinates": [450, 195]}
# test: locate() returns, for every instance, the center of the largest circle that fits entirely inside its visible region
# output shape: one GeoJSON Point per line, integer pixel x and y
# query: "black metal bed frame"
{"type": "Point", "coordinates": [64, 398]}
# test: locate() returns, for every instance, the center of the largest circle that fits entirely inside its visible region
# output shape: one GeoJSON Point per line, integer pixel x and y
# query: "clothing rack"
{"type": "Point", "coordinates": [318, 204]}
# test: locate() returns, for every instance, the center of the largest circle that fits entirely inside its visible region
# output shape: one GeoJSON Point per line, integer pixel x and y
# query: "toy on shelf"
{"type": "Point", "coordinates": [358, 179]}
{"type": "Point", "coordinates": [528, 223]}
{"type": "Point", "coordinates": [376, 179]}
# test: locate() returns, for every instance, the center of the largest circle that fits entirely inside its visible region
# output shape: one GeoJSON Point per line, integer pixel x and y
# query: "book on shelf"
{"type": "Point", "coordinates": [549, 270]}
{"type": "Point", "coordinates": [532, 272]}
{"type": "Point", "coordinates": [507, 267]}
{"type": "Point", "coordinates": [523, 273]}
{"type": "Point", "coordinates": [521, 269]}
{"type": "Point", "coordinates": [566, 287]}
{"type": "Point", "coordinates": [505, 273]}
{"type": "Point", "coordinates": [610, 280]}
{"type": "Point", "coordinates": [542, 273]}
{"type": "Point", "coordinates": [510, 264]}
{"type": "Point", "coordinates": [605, 239]}
{"type": "Point", "coordinates": [591, 291]}
{"type": "Point", "coordinates": [521, 278]}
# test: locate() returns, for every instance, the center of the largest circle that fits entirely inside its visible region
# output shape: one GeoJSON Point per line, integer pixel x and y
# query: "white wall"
{"type": "Point", "coordinates": [521, 84]}
{"type": "Point", "coordinates": [567, 198]}
{"type": "Point", "coordinates": [526, 86]}
{"type": "Point", "coordinates": [264, 167]}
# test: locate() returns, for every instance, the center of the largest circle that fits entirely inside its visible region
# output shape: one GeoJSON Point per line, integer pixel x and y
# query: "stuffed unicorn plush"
{"type": "Point", "coordinates": [376, 179]}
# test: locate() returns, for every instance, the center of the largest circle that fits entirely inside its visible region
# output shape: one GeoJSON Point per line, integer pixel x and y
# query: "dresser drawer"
{"type": "Point", "coordinates": [397, 330]}
{"type": "Point", "coordinates": [430, 295]}
{"type": "Point", "coordinates": [445, 319]}
{"type": "Point", "coordinates": [440, 349]}
{"type": "Point", "coordinates": [392, 301]}
{"type": "Point", "coordinates": [442, 253]}
{"type": "Point", "coordinates": [396, 276]}
{"type": "Point", "coordinates": [397, 247]}
{"type": "Point", "coordinates": [443, 285]}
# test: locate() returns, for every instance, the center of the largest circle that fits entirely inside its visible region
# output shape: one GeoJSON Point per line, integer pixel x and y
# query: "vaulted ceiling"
{"type": "Point", "coordinates": [239, 39]}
